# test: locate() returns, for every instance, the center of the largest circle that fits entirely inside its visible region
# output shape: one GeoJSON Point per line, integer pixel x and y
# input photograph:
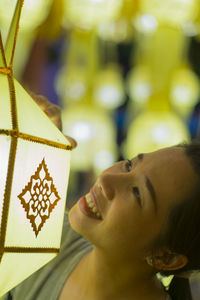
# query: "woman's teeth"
{"type": "Point", "coordinates": [91, 204]}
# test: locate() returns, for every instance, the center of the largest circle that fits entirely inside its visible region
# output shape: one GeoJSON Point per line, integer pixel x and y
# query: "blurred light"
{"type": "Point", "coordinates": [139, 86]}
{"type": "Point", "coordinates": [174, 12]}
{"type": "Point", "coordinates": [154, 130]}
{"type": "Point", "coordinates": [33, 14]}
{"type": "Point", "coordinates": [145, 23]}
{"type": "Point", "coordinates": [71, 84]}
{"type": "Point", "coordinates": [89, 13]}
{"type": "Point", "coordinates": [160, 133]}
{"type": "Point", "coordinates": [116, 31]}
{"type": "Point", "coordinates": [190, 29]}
{"type": "Point", "coordinates": [108, 88]}
{"type": "Point", "coordinates": [185, 89]}
{"type": "Point", "coordinates": [95, 133]}
{"type": "Point", "coordinates": [82, 131]}
{"type": "Point", "coordinates": [103, 160]}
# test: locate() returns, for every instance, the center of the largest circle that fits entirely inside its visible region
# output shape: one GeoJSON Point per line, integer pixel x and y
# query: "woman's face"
{"type": "Point", "coordinates": [134, 199]}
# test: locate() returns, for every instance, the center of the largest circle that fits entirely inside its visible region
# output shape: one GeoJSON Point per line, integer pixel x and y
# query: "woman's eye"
{"type": "Point", "coordinates": [136, 193]}
{"type": "Point", "coordinates": [128, 165]}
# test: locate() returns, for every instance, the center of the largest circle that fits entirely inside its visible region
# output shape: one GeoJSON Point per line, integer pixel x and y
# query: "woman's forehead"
{"type": "Point", "coordinates": [170, 172]}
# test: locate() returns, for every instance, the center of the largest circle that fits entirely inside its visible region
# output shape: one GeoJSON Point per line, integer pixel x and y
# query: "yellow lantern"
{"type": "Point", "coordinates": [184, 92]}
{"type": "Point", "coordinates": [95, 134]}
{"type": "Point", "coordinates": [72, 84]}
{"type": "Point", "coordinates": [120, 29]}
{"type": "Point", "coordinates": [108, 89]}
{"type": "Point", "coordinates": [33, 14]}
{"type": "Point", "coordinates": [171, 12]}
{"type": "Point", "coordinates": [153, 130]}
{"type": "Point", "coordinates": [34, 163]}
{"type": "Point", "coordinates": [89, 13]}
{"type": "Point", "coordinates": [139, 86]}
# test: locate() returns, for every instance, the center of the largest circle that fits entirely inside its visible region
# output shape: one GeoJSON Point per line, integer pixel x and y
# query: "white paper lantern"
{"type": "Point", "coordinates": [34, 170]}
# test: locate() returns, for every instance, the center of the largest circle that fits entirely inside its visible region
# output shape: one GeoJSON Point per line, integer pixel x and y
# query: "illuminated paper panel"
{"type": "Point", "coordinates": [28, 123]}
{"type": "Point", "coordinates": [13, 275]}
{"type": "Point", "coordinates": [5, 149]}
{"type": "Point", "coordinates": [5, 111]}
{"type": "Point", "coordinates": [47, 174]}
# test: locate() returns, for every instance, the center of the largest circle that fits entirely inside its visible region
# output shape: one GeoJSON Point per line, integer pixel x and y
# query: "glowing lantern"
{"type": "Point", "coordinates": [120, 29]}
{"type": "Point", "coordinates": [154, 130]}
{"type": "Point", "coordinates": [71, 84]}
{"type": "Point", "coordinates": [175, 12]}
{"type": "Point", "coordinates": [139, 86]}
{"type": "Point", "coordinates": [75, 78]}
{"type": "Point", "coordinates": [116, 31]}
{"type": "Point", "coordinates": [145, 23]}
{"type": "Point", "coordinates": [108, 88]}
{"type": "Point", "coordinates": [184, 91]}
{"type": "Point", "coordinates": [34, 12]}
{"type": "Point", "coordinates": [95, 135]}
{"type": "Point", "coordinates": [34, 160]}
{"type": "Point", "coordinates": [89, 13]}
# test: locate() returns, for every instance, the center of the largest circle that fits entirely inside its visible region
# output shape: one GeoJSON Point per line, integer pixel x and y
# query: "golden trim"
{"type": "Point", "coordinates": [31, 138]}
{"type": "Point", "coordinates": [2, 52]}
{"type": "Point", "coordinates": [7, 192]}
{"type": "Point", "coordinates": [31, 250]}
{"type": "Point", "coordinates": [16, 33]}
{"type": "Point", "coordinates": [13, 102]}
{"type": "Point", "coordinates": [27, 250]}
{"type": "Point", "coordinates": [6, 71]}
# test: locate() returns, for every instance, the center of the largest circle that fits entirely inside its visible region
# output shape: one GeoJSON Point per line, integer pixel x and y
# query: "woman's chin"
{"type": "Point", "coordinates": [74, 218]}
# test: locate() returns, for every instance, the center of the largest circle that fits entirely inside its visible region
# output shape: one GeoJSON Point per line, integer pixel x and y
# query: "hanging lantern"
{"type": "Point", "coordinates": [171, 12]}
{"type": "Point", "coordinates": [139, 86]}
{"type": "Point", "coordinates": [33, 14]}
{"type": "Point", "coordinates": [95, 134]}
{"type": "Point", "coordinates": [34, 160]}
{"type": "Point", "coordinates": [153, 130]}
{"type": "Point", "coordinates": [108, 88]}
{"type": "Point", "coordinates": [89, 13]}
{"type": "Point", "coordinates": [120, 29]}
{"type": "Point", "coordinates": [72, 84]}
{"type": "Point", "coordinates": [184, 92]}
{"type": "Point", "coordinates": [81, 63]}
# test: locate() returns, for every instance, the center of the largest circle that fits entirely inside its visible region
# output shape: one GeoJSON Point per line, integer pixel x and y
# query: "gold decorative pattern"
{"type": "Point", "coordinates": [39, 197]}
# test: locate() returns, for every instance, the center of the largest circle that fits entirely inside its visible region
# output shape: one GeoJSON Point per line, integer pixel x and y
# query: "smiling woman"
{"type": "Point", "coordinates": [141, 217]}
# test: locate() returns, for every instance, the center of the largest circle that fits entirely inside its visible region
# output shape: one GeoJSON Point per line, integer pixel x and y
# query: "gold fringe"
{"type": "Point", "coordinates": [31, 138]}
{"type": "Point", "coordinates": [27, 250]}
{"type": "Point", "coordinates": [13, 102]}
{"type": "Point", "coordinates": [6, 200]}
{"type": "Point", "coordinates": [30, 250]}
{"type": "Point", "coordinates": [6, 71]}
{"type": "Point", "coordinates": [16, 34]}
{"type": "Point", "coordinates": [2, 52]}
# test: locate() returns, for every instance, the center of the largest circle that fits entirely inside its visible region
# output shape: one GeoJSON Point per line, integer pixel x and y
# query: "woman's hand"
{"type": "Point", "coordinates": [53, 111]}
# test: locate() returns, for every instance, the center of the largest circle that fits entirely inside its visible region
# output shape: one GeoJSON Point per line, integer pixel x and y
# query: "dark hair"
{"type": "Point", "coordinates": [182, 234]}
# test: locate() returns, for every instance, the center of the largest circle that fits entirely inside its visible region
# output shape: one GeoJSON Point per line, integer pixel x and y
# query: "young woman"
{"type": "Point", "coordinates": [141, 217]}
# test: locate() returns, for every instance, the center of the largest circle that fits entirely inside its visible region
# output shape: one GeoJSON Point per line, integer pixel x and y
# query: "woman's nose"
{"type": "Point", "coordinates": [111, 183]}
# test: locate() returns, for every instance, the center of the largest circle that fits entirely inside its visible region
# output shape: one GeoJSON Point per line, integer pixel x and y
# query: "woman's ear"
{"type": "Point", "coordinates": [165, 260]}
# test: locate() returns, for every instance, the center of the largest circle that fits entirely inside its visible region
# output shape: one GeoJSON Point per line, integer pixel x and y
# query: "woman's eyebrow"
{"type": "Point", "coordinates": [149, 186]}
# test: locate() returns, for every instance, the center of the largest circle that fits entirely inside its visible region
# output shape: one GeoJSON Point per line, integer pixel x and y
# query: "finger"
{"type": "Point", "coordinates": [72, 141]}
{"type": "Point", "coordinates": [41, 100]}
{"type": "Point", "coordinates": [53, 110]}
